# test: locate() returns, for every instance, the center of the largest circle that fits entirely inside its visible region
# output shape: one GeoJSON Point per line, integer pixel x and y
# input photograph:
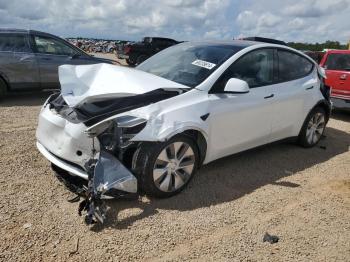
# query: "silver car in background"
{"type": "Point", "coordinates": [29, 59]}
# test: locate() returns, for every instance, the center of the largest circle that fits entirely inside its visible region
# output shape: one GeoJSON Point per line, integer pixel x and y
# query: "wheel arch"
{"type": "Point", "coordinates": [324, 104]}
{"type": "Point", "coordinates": [198, 135]}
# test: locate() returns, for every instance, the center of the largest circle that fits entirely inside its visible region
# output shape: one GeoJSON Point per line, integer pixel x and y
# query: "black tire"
{"type": "Point", "coordinates": [144, 163]}
{"type": "Point", "coordinates": [140, 59]}
{"type": "Point", "coordinates": [3, 88]}
{"type": "Point", "coordinates": [304, 135]}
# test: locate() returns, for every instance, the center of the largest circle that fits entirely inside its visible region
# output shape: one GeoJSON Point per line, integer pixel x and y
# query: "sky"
{"type": "Point", "coordinates": [289, 20]}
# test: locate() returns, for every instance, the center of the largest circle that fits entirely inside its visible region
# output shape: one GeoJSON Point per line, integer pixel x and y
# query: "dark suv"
{"type": "Point", "coordinates": [138, 52]}
{"type": "Point", "coordinates": [30, 59]}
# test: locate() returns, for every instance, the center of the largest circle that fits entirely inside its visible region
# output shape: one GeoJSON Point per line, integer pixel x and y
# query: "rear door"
{"type": "Point", "coordinates": [337, 67]}
{"type": "Point", "coordinates": [18, 64]}
{"type": "Point", "coordinates": [293, 92]}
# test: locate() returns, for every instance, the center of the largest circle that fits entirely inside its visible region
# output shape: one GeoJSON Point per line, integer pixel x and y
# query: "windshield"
{"type": "Point", "coordinates": [338, 62]}
{"type": "Point", "coordinates": [188, 63]}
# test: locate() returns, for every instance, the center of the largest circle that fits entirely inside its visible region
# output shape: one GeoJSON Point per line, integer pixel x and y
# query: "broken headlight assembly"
{"type": "Point", "coordinates": [107, 173]}
{"type": "Point", "coordinates": [119, 132]}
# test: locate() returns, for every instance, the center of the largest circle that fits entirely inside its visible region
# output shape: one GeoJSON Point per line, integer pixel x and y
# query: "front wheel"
{"type": "Point", "coordinates": [313, 128]}
{"type": "Point", "coordinates": [164, 169]}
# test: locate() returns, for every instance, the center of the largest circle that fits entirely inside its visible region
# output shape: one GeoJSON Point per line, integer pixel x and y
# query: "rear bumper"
{"type": "Point", "coordinates": [341, 103]}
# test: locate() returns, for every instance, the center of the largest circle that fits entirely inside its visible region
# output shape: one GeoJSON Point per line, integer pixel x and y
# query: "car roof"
{"type": "Point", "coordinates": [23, 31]}
{"type": "Point", "coordinates": [232, 43]}
{"type": "Point", "coordinates": [13, 30]}
{"type": "Point", "coordinates": [159, 38]}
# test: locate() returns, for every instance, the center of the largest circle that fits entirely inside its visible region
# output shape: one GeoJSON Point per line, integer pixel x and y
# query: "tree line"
{"type": "Point", "coordinates": [318, 46]}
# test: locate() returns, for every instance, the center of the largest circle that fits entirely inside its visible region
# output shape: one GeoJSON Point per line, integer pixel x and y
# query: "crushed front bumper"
{"type": "Point", "coordinates": [68, 147]}
{"type": "Point", "coordinates": [71, 169]}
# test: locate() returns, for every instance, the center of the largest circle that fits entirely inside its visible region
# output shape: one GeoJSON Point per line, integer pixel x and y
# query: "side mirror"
{"type": "Point", "coordinates": [236, 86]}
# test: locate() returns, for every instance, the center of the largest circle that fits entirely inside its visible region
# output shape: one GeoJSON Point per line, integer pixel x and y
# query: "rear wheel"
{"type": "Point", "coordinates": [3, 88]}
{"type": "Point", "coordinates": [164, 169]}
{"type": "Point", "coordinates": [313, 127]}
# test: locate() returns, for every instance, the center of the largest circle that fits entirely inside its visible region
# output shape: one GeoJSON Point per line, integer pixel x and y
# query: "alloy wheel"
{"type": "Point", "coordinates": [315, 128]}
{"type": "Point", "coordinates": [173, 166]}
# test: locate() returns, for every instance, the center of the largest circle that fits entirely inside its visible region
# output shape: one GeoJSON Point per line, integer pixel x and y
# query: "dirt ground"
{"type": "Point", "coordinates": [300, 195]}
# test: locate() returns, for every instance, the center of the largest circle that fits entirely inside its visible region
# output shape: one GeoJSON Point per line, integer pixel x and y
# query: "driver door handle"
{"type": "Point", "coordinates": [270, 96]}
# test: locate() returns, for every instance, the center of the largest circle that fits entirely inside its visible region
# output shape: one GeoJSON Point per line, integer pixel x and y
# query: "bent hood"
{"type": "Point", "coordinates": [85, 83]}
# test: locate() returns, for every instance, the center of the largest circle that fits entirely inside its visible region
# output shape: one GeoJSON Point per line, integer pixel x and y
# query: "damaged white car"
{"type": "Point", "coordinates": [115, 130]}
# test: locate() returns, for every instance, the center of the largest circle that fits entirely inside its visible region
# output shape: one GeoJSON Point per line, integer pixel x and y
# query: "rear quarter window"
{"type": "Point", "coordinates": [14, 43]}
{"type": "Point", "coordinates": [292, 66]}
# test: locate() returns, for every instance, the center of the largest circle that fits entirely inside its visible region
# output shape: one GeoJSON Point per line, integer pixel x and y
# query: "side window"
{"type": "Point", "coordinates": [256, 68]}
{"type": "Point", "coordinates": [46, 45]}
{"type": "Point", "coordinates": [14, 43]}
{"type": "Point", "coordinates": [338, 62]}
{"type": "Point", "coordinates": [292, 66]}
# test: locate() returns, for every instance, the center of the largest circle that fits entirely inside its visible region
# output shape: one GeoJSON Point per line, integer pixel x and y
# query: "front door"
{"type": "Point", "coordinates": [51, 53]}
{"type": "Point", "coordinates": [242, 121]}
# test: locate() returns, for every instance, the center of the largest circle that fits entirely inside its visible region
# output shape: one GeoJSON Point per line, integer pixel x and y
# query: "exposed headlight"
{"type": "Point", "coordinates": [118, 132]}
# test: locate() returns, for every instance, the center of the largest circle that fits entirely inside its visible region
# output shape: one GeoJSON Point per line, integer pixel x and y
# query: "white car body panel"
{"type": "Point", "coordinates": [291, 105]}
{"type": "Point", "coordinates": [236, 122]}
{"type": "Point", "coordinates": [84, 83]}
{"type": "Point", "coordinates": [64, 139]}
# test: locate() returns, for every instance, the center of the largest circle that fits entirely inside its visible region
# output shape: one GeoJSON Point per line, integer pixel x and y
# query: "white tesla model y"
{"type": "Point", "coordinates": [151, 127]}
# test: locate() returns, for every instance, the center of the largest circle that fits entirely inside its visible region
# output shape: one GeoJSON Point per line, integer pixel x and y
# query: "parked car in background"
{"type": "Point", "coordinates": [337, 66]}
{"type": "Point", "coordinates": [29, 59]}
{"type": "Point", "coordinates": [138, 52]}
{"type": "Point", "coordinates": [315, 55]}
{"type": "Point", "coordinates": [184, 107]}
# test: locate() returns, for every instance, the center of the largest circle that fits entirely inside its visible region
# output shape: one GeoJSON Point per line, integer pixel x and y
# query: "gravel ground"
{"type": "Point", "coordinates": [300, 195]}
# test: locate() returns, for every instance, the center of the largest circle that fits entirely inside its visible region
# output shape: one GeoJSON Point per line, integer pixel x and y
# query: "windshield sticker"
{"type": "Point", "coordinates": [204, 64]}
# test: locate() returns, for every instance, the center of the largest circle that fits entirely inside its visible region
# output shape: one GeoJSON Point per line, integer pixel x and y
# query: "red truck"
{"type": "Point", "coordinates": [337, 66]}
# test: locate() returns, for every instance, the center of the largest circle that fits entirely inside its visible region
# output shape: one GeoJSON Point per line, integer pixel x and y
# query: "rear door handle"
{"type": "Point", "coordinates": [270, 96]}
{"type": "Point", "coordinates": [309, 88]}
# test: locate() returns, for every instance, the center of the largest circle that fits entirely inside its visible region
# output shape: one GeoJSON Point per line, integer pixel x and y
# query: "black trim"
{"type": "Point", "coordinates": [275, 67]}
{"type": "Point", "coordinates": [270, 96]}
{"type": "Point", "coordinates": [228, 68]}
{"type": "Point", "coordinates": [108, 107]}
{"type": "Point", "coordinates": [265, 40]}
{"type": "Point", "coordinates": [295, 53]}
{"type": "Point", "coordinates": [204, 117]}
